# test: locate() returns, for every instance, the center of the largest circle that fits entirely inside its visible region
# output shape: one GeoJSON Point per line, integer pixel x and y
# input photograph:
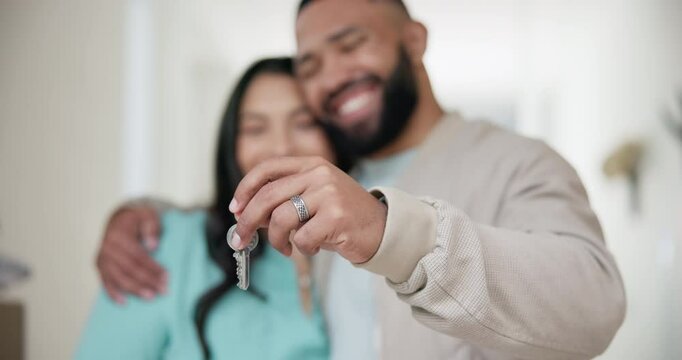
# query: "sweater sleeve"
{"type": "Point", "coordinates": [537, 284]}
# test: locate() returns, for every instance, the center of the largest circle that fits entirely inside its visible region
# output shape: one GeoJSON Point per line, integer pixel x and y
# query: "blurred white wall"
{"type": "Point", "coordinates": [204, 45]}
{"type": "Point", "coordinates": [600, 73]}
{"type": "Point", "coordinates": [84, 105]}
{"type": "Point", "coordinates": [60, 111]}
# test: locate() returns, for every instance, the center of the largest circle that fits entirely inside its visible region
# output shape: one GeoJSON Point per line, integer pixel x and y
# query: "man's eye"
{"type": "Point", "coordinates": [305, 72]}
{"type": "Point", "coordinates": [353, 43]}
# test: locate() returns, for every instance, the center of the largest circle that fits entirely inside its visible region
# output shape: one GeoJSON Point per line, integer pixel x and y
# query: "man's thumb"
{"type": "Point", "coordinates": [150, 232]}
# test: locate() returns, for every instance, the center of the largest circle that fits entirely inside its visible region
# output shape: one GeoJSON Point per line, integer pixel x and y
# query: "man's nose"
{"type": "Point", "coordinates": [334, 74]}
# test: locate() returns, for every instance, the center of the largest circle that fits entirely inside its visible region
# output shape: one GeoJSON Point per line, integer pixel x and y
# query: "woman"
{"type": "Point", "coordinates": [203, 313]}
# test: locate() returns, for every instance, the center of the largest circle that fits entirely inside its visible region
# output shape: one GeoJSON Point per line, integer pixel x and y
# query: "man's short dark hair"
{"type": "Point", "coordinates": [399, 3]}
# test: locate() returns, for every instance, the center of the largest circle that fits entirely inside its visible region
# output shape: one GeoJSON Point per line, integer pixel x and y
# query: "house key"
{"type": "Point", "coordinates": [243, 257]}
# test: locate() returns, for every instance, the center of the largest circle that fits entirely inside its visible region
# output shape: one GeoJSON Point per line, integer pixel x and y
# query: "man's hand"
{"type": "Point", "coordinates": [123, 261]}
{"type": "Point", "coordinates": [344, 217]}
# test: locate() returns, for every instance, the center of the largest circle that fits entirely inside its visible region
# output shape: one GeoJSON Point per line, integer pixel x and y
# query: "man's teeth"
{"type": "Point", "coordinates": [355, 104]}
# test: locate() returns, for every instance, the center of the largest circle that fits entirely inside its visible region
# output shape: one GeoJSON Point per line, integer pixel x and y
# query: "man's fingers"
{"type": "Point", "coordinates": [143, 272]}
{"type": "Point", "coordinates": [312, 236]}
{"type": "Point", "coordinates": [123, 262]}
{"type": "Point", "coordinates": [268, 171]}
{"type": "Point", "coordinates": [150, 243]}
{"type": "Point", "coordinates": [284, 219]}
{"type": "Point", "coordinates": [141, 267]}
{"type": "Point", "coordinates": [137, 253]}
{"type": "Point", "coordinates": [128, 280]}
{"type": "Point", "coordinates": [122, 280]}
{"type": "Point", "coordinates": [150, 227]}
{"type": "Point", "coordinates": [260, 209]}
{"type": "Point", "coordinates": [112, 290]}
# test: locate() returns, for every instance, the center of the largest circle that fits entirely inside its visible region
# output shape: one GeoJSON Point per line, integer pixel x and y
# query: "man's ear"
{"type": "Point", "coordinates": [415, 37]}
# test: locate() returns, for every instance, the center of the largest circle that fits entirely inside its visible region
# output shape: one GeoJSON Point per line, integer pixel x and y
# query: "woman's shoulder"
{"type": "Point", "coordinates": [182, 232]}
{"type": "Point", "coordinates": [176, 218]}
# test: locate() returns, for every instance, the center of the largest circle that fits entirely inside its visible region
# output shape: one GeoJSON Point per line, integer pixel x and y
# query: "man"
{"type": "Point", "coordinates": [486, 238]}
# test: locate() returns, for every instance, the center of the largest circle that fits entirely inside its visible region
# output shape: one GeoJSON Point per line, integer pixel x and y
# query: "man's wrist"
{"type": "Point", "coordinates": [409, 234]}
{"type": "Point", "coordinates": [158, 205]}
{"type": "Point", "coordinates": [380, 230]}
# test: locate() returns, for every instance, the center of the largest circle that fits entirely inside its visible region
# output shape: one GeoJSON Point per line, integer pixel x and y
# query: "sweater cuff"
{"type": "Point", "coordinates": [409, 235]}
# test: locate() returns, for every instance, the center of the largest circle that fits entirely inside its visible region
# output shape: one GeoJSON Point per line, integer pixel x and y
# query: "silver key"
{"type": "Point", "coordinates": [243, 258]}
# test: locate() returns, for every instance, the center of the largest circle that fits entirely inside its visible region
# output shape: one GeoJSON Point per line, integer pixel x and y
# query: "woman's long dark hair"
{"type": "Point", "coordinates": [227, 177]}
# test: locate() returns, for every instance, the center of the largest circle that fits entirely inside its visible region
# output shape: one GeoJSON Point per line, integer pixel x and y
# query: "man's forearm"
{"type": "Point", "coordinates": [159, 205]}
{"type": "Point", "coordinates": [539, 295]}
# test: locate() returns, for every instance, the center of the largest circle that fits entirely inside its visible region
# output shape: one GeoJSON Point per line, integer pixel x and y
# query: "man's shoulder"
{"type": "Point", "coordinates": [483, 138]}
{"type": "Point", "coordinates": [489, 144]}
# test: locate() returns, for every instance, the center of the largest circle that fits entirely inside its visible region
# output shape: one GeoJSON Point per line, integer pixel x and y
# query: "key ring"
{"type": "Point", "coordinates": [230, 234]}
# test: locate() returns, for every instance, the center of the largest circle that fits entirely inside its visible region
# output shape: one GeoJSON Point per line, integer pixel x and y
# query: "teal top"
{"type": "Point", "coordinates": [239, 326]}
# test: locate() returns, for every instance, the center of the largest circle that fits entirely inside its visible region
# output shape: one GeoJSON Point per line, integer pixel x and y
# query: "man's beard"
{"type": "Point", "coordinates": [399, 100]}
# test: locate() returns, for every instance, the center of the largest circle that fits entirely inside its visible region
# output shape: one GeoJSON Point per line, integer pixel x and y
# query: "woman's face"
{"type": "Point", "coordinates": [274, 121]}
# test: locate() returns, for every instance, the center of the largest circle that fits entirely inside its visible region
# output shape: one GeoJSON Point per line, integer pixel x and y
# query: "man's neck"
{"type": "Point", "coordinates": [426, 115]}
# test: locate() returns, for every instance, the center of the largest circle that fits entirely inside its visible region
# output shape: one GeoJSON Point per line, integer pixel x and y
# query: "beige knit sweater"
{"type": "Point", "coordinates": [491, 243]}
